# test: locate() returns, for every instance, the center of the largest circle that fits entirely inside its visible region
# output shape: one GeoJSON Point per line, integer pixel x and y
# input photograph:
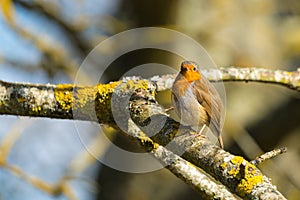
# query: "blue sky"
{"type": "Point", "coordinates": [46, 146]}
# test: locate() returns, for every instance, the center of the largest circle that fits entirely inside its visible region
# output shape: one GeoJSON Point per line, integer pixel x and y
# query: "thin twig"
{"type": "Point", "coordinates": [53, 55]}
{"type": "Point", "coordinates": [52, 14]}
{"type": "Point", "coordinates": [268, 155]}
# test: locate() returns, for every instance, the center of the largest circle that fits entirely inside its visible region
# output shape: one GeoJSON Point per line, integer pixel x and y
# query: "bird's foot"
{"type": "Point", "coordinates": [169, 109]}
{"type": "Point", "coordinates": [200, 135]}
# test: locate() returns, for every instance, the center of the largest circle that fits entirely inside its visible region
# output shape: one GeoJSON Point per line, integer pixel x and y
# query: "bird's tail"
{"type": "Point", "coordinates": [216, 130]}
{"type": "Point", "coordinates": [221, 141]}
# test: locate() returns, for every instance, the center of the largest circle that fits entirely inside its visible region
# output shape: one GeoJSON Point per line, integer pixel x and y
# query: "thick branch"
{"type": "Point", "coordinates": [62, 101]}
{"type": "Point", "coordinates": [240, 176]}
{"type": "Point", "coordinates": [134, 98]}
{"type": "Point", "coordinates": [190, 174]}
{"type": "Point", "coordinates": [34, 100]}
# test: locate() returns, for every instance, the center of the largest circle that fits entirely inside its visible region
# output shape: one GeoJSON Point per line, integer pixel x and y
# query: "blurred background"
{"type": "Point", "coordinates": [43, 41]}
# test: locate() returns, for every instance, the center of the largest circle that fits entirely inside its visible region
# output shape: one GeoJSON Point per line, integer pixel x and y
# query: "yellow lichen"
{"type": "Point", "coordinates": [63, 95]}
{"type": "Point", "coordinates": [247, 184]}
{"type": "Point", "coordinates": [155, 145]}
{"type": "Point", "coordinates": [249, 178]}
{"type": "Point", "coordinates": [36, 109]}
{"type": "Point", "coordinates": [224, 165]}
{"type": "Point", "coordinates": [83, 98]}
{"type": "Point", "coordinates": [105, 90]}
{"type": "Point", "coordinates": [144, 140]}
{"type": "Point", "coordinates": [143, 84]}
{"type": "Point", "coordinates": [237, 161]}
{"type": "Point", "coordinates": [21, 99]}
{"type": "Point", "coordinates": [172, 135]}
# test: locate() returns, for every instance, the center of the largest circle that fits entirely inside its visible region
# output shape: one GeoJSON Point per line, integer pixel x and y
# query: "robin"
{"type": "Point", "coordinates": [196, 101]}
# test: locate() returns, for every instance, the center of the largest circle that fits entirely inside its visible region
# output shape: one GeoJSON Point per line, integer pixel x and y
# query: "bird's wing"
{"type": "Point", "coordinates": [209, 98]}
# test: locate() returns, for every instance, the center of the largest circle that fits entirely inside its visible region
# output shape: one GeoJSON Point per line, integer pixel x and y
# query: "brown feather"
{"type": "Point", "coordinates": [204, 93]}
{"type": "Point", "coordinates": [210, 99]}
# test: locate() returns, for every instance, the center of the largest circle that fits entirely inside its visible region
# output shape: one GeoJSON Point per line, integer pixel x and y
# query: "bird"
{"type": "Point", "coordinates": [196, 101]}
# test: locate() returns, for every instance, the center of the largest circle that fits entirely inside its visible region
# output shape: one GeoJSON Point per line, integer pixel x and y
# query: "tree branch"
{"type": "Point", "coordinates": [134, 99]}
{"type": "Point", "coordinates": [279, 77]}
{"type": "Point", "coordinates": [268, 155]}
{"type": "Point", "coordinates": [240, 176]}
{"type": "Point", "coordinates": [54, 55]}
{"type": "Point", "coordinates": [56, 101]}
{"type": "Point", "coordinates": [73, 33]}
{"type": "Point", "coordinates": [190, 174]}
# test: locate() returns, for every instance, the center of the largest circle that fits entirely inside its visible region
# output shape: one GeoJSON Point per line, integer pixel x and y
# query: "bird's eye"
{"type": "Point", "coordinates": [194, 69]}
